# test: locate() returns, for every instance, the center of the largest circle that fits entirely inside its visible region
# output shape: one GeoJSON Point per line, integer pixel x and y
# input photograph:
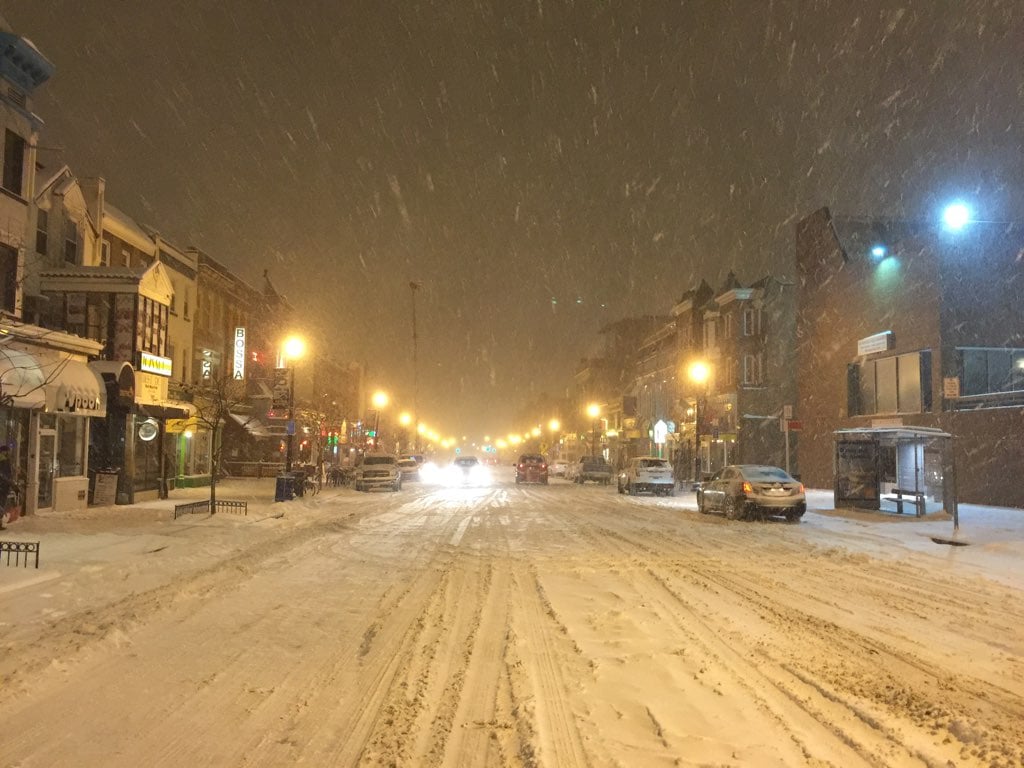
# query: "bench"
{"type": "Point", "coordinates": [898, 495]}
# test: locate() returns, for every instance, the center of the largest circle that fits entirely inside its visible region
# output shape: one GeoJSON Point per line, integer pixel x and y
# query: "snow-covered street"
{"type": "Point", "coordinates": [511, 626]}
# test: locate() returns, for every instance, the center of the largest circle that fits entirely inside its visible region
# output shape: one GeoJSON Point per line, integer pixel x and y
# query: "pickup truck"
{"type": "Point", "coordinates": [593, 468]}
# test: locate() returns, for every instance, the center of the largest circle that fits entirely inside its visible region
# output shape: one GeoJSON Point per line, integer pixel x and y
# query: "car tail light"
{"type": "Point", "coordinates": [748, 488]}
{"type": "Point", "coordinates": [522, 466]}
{"type": "Point", "coordinates": [543, 466]}
{"type": "Point", "coordinates": [801, 488]}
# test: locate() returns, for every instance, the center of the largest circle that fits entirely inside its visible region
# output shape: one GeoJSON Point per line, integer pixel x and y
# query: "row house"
{"type": "Point", "coordinates": [48, 394]}
{"type": "Point", "coordinates": [744, 335]}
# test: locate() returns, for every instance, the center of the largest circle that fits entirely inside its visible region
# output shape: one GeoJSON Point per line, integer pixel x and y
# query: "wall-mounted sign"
{"type": "Point", "coordinates": [206, 367]}
{"type": "Point", "coordinates": [282, 391]}
{"type": "Point", "coordinates": [238, 372]}
{"type": "Point", "coordinates": [951, 387]}
{"type": "Point", "coordinates": [660, 430]}
{"type": "Point", "coordinates": [161, 366]}
{"type": "Point", "coordinates": [879, 342]}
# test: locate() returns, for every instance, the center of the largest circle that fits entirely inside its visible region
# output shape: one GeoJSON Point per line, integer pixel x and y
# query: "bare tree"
{"type": "Point", "coordinates": [216, 399]}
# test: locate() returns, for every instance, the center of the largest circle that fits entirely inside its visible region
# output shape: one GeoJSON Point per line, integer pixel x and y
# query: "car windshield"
{"type": "Point", "coordinates": [466, 461]}
{"type": "Point", "coordinates": [379, 460]}
{"type": "Point", "coordinates": [766, 475]}
{"type": "Point", "coordinates": [408, 464]}
{"type": "Point", "coordinates": [531, 459]}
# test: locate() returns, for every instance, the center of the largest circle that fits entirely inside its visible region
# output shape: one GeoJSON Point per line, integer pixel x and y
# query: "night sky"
{"type": "Point", "coordinates": [543, 168]}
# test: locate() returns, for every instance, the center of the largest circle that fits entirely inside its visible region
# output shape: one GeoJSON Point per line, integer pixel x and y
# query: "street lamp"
{"type": "Point", "coordinates": [593, 411]}
{"type": "Point", "coordinates": [699, 373]}
{"type": "Point", "coordinates": [956, 216]}
{"type": "Point", "coordinates": [292, 349]}
{"type": "Point", "coordinates": [380, 400]}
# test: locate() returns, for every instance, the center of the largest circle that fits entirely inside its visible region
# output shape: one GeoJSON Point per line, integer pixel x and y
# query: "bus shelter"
{"type": "Point", "coordinates": [895, 469]}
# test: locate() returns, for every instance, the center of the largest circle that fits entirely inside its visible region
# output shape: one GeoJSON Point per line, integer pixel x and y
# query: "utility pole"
{"type": "Point", "coordinates": [413, 287]}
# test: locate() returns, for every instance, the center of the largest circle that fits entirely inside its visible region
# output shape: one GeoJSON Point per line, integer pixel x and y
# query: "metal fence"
{"type": "Point", "coordinates": [203, 507]}
{"type": "Point", "coordinates": [252, 468]}
{"type": "Point", "coordinates": [20, 550]}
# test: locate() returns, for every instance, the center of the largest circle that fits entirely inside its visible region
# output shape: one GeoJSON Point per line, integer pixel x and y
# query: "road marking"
{"type": "Point", "coordinates": [461, 530]}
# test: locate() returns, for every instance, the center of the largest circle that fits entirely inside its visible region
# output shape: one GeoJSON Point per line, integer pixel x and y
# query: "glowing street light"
{"type": "Point", "coordinates": [293, 348]}
{"type": "Point", "coordinates": [380, 401]}
{"type": "Point", "coordinates": [593, 411]}
{"type": "Point", "coordinates": [699, 373]}
{"type": "Point", "coordinates": [956, 216]}
{"type": "Point", "coordinates": [554, 425]}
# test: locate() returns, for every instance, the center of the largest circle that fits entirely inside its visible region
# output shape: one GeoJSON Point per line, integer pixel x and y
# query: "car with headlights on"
{"type": "Point", "coordinates": [647, 474]}
{"type": "Point", "coordinates": [378, 470]}
{"type": "Point", "coordinates": [532, 468]}
{"type": "Point", "coordinates": [753, 491]}
{"type": "Point", "coordinates": [467, 470]}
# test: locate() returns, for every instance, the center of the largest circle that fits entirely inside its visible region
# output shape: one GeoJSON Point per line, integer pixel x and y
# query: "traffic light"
{"type": "Point", "coordinates": [371, 433]}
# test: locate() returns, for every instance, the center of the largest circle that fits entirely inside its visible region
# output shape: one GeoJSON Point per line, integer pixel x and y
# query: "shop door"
{"type": "Point", "coordinates": [47, 467]}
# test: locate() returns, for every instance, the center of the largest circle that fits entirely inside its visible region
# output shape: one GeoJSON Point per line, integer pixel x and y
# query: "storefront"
{"type": "Point", "coordinates": [48, 395]}
{"type": "Point", "coordinates": [132, 440]}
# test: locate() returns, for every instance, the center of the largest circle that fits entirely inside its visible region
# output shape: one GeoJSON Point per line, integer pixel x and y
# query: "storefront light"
{"type": "Point", "coordinates": [188, 434]}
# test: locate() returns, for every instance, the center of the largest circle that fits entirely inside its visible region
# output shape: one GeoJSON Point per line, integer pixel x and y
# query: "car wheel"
{"type": "Point", "coordinates": [671, 491]}
{"type": "Point", "coordinates": [545, 481]}
{"type": "Point", "coordinates": [732, 508]}
{"type": "Point", "coordinates": [631, 490]}
{"type": "Point", "coordinates": [700, 504]}
{"type": "Point", "coordinates": [793, 516]}
{"type": "Point", "coordinates": [619, 487]}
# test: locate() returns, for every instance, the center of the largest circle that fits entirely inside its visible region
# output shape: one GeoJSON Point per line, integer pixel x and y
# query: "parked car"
{"type": "Point", "coordinates": [532, 468]}
{"type": "Point", "coordinates": [378, 470]}
{"type": "Point", "coordinates": [409, 469]}
{"type": "Point", "coordinates": [558, 468]}
{"type": "Point", "coordinates": [647, 474]}
{"type": "Point", "coordinates": [593, 468]}
{"type": "Point", "coordinates": [749, 491]}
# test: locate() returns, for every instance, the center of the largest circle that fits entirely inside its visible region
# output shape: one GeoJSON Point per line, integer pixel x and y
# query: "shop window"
{"type": "Point", "coordinates": [14, 163]}
{"type": "Point", "coordinates": [71, 449]}
{"type": "Point", "coordinates": [105, 254]}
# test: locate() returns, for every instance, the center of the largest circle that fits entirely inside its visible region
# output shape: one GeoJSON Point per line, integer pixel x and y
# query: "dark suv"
{"type": "Point", "coordinates": [532, 468]}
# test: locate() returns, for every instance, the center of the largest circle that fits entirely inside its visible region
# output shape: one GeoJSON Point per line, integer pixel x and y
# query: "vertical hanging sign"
{"type": "Point", "coordinates": [238, 372]}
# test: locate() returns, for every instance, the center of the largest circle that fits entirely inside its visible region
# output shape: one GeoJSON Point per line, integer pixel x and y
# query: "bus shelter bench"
{"type": "Point", "coordinates": [899, 495]}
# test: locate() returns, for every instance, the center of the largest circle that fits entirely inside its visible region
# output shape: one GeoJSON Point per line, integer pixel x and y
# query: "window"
{"type": "Point", "coordinates": [70, 446]}
{"type": "Point", "coordinates": [174, 297]}
{"type": "Point", "coordinates": [186, 303]}
{"type": "Point", "coordinates": [14, 163]}
{"type": "Point", "coordinates": [70, 242]}
{"type": "Point", "coordinates": [895, 384]}
{"type": "Point", "coordinates": [727, 324]}
{"type": "Point", "coordinates": [126, 257]}
{"type": "Point", "coordinates": [753, 374]}
{"type": "Point", "coordinates": [105, 254]}
{"type": "Point", "coordinates": [42, 227]}
{"type": "Point", "coordinates": [8, 277]}
{"type": "Point", "coordinates": [987, 371]}
{"type": "Point", "coordinates": [751, 321]}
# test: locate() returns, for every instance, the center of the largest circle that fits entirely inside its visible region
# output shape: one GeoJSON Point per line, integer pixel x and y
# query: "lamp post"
{"type": "Point", "coordinates": [593, 411]}
{"type": "Point", "coordinates": [380, 400]}
{"type": "Point", "coordinates": [294, 347]}
{"type": "Point", "coordinates": [700, 373]}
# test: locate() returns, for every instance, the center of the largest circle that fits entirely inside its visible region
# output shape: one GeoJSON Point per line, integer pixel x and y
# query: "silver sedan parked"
{"type": "Point", "coordinates": [753, 491]}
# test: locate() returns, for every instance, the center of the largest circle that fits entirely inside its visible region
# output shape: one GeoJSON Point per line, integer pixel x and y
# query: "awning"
{"type": "Point", "coordinates": [74, 388]}
{"type": "Point", "coordinates": [21, 379]}
{"type": "Point", "coordinates": [47, 380]}
{"type": "Point", "coordinates": [257, 428]}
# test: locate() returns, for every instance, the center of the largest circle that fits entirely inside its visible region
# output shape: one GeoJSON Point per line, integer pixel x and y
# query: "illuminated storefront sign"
{"type": "Point", "coordinates": [154, 364]}
{"type": "Point", "coordinates": [238, 372]}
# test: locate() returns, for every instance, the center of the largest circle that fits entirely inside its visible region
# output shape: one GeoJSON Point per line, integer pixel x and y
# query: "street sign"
{"type": "Point", "coordinates": [795, 425]}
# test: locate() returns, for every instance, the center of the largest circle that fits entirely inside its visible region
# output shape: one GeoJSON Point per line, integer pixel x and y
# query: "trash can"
{"type": "Point", "coordinates": [299, 482]}
{"type": "Point", "coordinates": [284, 489]}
